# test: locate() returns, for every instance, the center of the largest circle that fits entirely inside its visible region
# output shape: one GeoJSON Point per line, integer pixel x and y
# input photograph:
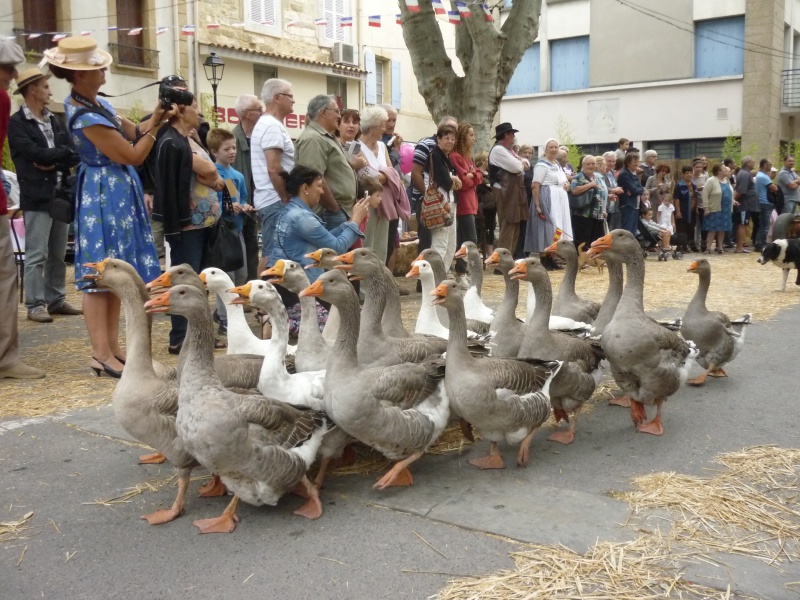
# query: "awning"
{"type": "Point", "coordinates": [285, 60]}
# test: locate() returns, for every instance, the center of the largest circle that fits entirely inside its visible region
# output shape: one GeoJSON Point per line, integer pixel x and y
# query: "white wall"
{"type": "Point", "coordinates": [717, 9]}
{"type": "Point", "coordinates": [567, 19]}
{"type": "Point", "coordinates": [645, 112]}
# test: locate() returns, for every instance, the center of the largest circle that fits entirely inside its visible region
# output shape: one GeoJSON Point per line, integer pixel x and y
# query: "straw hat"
{"type": "Point", "coordinates": [29, 76]}
{"type": "Point", "coordinates": [78, 53]}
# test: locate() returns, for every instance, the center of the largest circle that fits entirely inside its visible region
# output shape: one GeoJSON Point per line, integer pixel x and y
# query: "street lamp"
{"type": "Point", "coordinates": [214, 67]}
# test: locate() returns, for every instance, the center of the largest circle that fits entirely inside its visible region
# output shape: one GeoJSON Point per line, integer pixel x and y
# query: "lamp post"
{"type": "Point", "coordinates": [214, 67]}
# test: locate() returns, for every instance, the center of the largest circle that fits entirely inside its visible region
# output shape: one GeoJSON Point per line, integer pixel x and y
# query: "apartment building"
{"type": "Point", "coordinates": [677, 76]}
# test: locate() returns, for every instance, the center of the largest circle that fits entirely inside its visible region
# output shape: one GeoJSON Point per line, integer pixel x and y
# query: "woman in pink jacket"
{"type": "Point", "coordinates": [467, 197]}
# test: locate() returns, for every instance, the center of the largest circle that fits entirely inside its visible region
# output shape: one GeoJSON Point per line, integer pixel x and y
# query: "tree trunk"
{"type": "Point", "coordinates": [488, 56]}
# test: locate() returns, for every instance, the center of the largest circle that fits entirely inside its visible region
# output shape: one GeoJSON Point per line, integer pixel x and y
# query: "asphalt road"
{"type": "Point", "coordinates": [368, 544]}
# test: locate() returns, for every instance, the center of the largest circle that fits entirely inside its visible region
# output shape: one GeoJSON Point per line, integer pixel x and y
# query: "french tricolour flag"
{"type": "Point", "coordinates": [399, 19]}
{"type": "Point", "coordinates": [135, 31]}
{"type": "Point", "coordinates": [161, 30]}
{"type": "Point", "coordinates": [321, 22]}
{"type": "Point", "coordinates": [438, 7]}
{"type": "Point", "coordinates": [488, 11]}
{"type": "Point", "coordinates": [345, 21]}
{"type": "Point", "coordinates": [412, 5]}
{"type": "Point", "coordinates": [187, 30]}
{"type": "Point", "coordinates": [374, 21]}
{"type": "Point", "coordinates": [212, 26]}
{"type": "Point", "coordinates": [291, 23]}
{"type": "Point", "coordinates": [454, 17]}
{"type": "Point", "coordinates": [463, 9]}
{"type": "Point", "coordinates": [59, 36]}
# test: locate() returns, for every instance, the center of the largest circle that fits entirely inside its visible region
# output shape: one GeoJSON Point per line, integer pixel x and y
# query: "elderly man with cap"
{"type": "Point", "coordinates": [43, 153]}
{"type": "Point", "coordinates": [508, 186]}
{"type": "Point", "coordinates": [11, 366]}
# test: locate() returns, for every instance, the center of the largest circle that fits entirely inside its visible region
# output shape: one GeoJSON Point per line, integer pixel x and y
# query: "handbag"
{"type": "Point", "coordinates": [62, 205]}
{"type": "Point", "coordinates": [224, 249]}
{"type": "Point", "coordinates": [435, 210]}
{"type": "Point", "coordinates": [581, 201]}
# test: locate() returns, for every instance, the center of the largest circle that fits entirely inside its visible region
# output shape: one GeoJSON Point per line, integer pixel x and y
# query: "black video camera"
{"type": "Point", "coordinates": [173, 90]}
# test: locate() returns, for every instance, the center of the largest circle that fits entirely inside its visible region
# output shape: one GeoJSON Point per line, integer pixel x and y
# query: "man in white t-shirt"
{"type": "Point", "coordinates": [271, 151]}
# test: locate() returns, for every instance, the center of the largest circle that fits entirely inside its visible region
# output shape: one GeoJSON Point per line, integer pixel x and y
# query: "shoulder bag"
{"type": "Point", "coordinates": [435, 210]}
{"type": "Point", "coordinates": [224, 249]}
{"type": "Point", "coordinates": [581, 201]}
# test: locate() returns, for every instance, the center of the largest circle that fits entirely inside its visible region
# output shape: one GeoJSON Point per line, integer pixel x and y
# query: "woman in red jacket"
{"type": "Point", "coordinates": [466, 197]}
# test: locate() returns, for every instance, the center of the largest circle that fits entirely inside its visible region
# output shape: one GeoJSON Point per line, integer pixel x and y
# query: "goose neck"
{"type": "Point", "coordinates": [374, 305]}
{"type": "Point", "coordinates": [633, 292]}
{"type": "Point", "coordinates": [197, 354]}
{"type": "Point", "coordinates": [457, 351]}
{"type": "Point", "coordinates": [345, 348]}
{"type": "Point", "coordinates": [698, 301]}
{"type": "Point", "coordinates": [138, 324]}
{"type": "Point", "coordinates": [540, 321]}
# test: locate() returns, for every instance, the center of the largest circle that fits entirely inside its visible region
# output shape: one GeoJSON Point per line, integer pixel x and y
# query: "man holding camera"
{"type": "Point", "coordinates": [43, 153]}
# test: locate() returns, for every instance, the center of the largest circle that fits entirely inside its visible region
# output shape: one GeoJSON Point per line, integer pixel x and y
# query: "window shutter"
{"type": "Point", "coordinates": [396, 87]}
{"type": "Point", "coordinates": [371, 87]}
{"type": "Point", "coordinates": [256, 11]}
{"type": "Point", "coordinates": [270, 12]}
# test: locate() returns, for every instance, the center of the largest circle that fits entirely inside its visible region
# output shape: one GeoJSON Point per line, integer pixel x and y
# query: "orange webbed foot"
{"type": "Point", "coordinates": [312, 509]}
{"type": "Point", "coordinates": [638, 414]}
{"type": "Point", "coordinates": [162, 516]}
{"type": "Point", "coordinates": [152, 459]}
{"type": "Point", "coordinates": [222, 524]}
{"type": "Point", "coordinates": [718, 373]}
{"type": "Point", "coordinates": [491, 461]}
{"type": "Point", "coordinates": [213, 488]}
{"type": "Point", "coordinates": [623, 401]}
{"type": "Point", "coordinates": [563, 436]}
{"type": "Point", "coordinates": [395, 477]}
{"type": "Point", "coordinates": [653, 427]}
{"type": "Point", "coordinates": [700, 379]}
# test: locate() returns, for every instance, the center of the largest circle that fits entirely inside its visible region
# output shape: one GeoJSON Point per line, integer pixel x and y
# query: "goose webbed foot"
{"type": "Point", "coordinates": [398, 475]}
{"type": "Point", "coordinates": [312, 509]}
{"type": "Point", "coordinates": [152, 459]}
{"type": "Point", "coordinates": [494, 460]}
{"type": "Point", "coordinates": [653, 427]}
{"type": "Point", "coordinates": [720, 372]}
{"type": "Point", "coordinates": [524, 449]}
{"type": "Point", "coordinates": [623, 401]}
{"type": "Point", "coordinates": [213, 488]}
{"type": "Point", "coordinates": [638, 414]}
{"type": "Point", "coordinates": [160, 517]}
{"type": "Point", "coordinates": [225, 523]}
{"type": "Point", "coordinates": [700, 379]}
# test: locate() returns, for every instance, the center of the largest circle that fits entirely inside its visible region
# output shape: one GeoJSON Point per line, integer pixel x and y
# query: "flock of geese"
{"type": "Point", "coordinates": [259, 417]}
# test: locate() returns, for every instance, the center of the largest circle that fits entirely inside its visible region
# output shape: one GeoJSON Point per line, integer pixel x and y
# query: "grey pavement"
{"type": "Point", "coordinates": [365, 542]}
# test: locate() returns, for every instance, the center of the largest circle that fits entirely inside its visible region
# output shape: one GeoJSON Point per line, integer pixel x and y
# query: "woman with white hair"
{"type": "Point", "coordinates": [373, 124]}
{"type": "Point", "coordinates": [550, 210]}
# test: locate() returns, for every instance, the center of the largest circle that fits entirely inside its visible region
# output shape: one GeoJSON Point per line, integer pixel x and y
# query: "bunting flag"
{"type": "Point", "coordinates": [212, 26]}
{"type": "Point", "coordinates": [412, 5]}
{"type": "Point", "coordinates": [454, 17]}
{"type": "Point", "coordinates": [59, 36]}
{"type": "Point", "coordinates": [345, 21]}
{"type": "Point", "coordinates": [33, 36]}
{"type": "Point", "coordinates": [557, 235]}
{"type": "Point", "coordinates": [112, 28]}
{"type": "Point", "coordinates": [374, 21]}
{"type": "Point", "coordinates": [187, 30]}
{"type": "Point", "coordinates": [161, 30]}
{"type": "Point", "coordinates": [399, 19]}
{"type": "Point", "coordinates": [488, 11]}
{"type": "Point", "coordinates": [135, 31]}
{"type": "Point", "coordinates": [438, 7]}
{"type": "Point", "coordinates": [321, 22]}
{"type": "Point", "coordinates": [463, 9]}
{"type": "Point", "coordinates": [86, 32]}
{"type": "Point", "coordinates": [291, 23]}
{"type": "Point", "coordinates": [268, 22]}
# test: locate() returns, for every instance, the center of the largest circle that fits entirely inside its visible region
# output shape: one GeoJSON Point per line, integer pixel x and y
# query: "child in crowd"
{"type": "Point", "coordinates": [666, 211]}
{"type": "Point", "coordinates": [371, 188]}
{"type": "Point", "coordinates": [657, 230]}
{"type": "Point", "coordinates": [222, 146]}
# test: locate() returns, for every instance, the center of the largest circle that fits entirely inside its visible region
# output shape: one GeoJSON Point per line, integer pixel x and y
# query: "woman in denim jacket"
{"type": "Point", "coordinates": [300, 231]}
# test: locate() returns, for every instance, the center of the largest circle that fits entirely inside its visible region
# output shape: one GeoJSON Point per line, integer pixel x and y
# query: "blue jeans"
{"type": "Point", "coordinates": [789, 207]}
{"type": "Point", "coordinates": [45, 270]}
{"type": "Point", "coordinates": [269, 219]}
{"type": "Point", "coordinates": [334, 219]}
{"type": "Point", "coordinates": [188, 248]}
{"type": "Point", "coordinates": [763, 225]}
{"type": "Point", "coordinates": [629, 218]}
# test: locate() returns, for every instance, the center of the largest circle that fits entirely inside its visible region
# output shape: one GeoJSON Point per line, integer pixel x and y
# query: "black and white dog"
{"type": "Point", "coordinates": [784, 254]}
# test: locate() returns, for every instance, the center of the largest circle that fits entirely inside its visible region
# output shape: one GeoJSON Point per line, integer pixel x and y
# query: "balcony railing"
{"type": "Point", "coordinates": [134, 56]}
{"type": "Point", "coordinates": [791, 88]}
{"type": "Point", "coordinates": [37, 45]}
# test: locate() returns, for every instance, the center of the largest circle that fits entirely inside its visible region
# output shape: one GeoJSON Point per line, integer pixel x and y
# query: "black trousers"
{"type": "Point", "coordinates": [251, 248]}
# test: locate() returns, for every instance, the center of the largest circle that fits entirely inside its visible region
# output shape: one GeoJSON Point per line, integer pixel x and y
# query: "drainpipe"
{"type": "Point", "coordinates": [176, 40]}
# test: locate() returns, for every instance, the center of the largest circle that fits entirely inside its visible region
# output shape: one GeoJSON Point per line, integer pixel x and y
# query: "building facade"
{"type": "Point", "coordinates": [678, 76]}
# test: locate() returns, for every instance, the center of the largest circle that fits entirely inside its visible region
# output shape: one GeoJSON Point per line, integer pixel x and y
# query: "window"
{"type": "Point", "coordinates": [569, 64]}
{"type": "Point", "coordinates": [687, 149]}
{"type": "Point", "coordinates": [338, 87]}
{"type": "Point", "coordinates": [263, 16]}
{"type": "Point", "coordinates": [39, 16]}
{"type": "Point", "coordinates": [332, 11]}
{"type": "Point", "coordinates": [130, 51]}
{"type": "Point", "coordinates": [260, 74]}
{"type": "Point", "coordinates": [719, 47]}
{"type": "Point", "coordinates": [379, 64]}
{"type": "Point", "coordinates": [526, 76]}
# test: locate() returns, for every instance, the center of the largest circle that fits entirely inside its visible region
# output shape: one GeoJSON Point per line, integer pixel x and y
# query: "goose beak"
{"type": "Point", "coordinates": [604, 243]}
{"type": "Point", "coordinates": [314, 290]}
{"type": "Point", "coordinates": [462, 252]}
{"type": "Point", "coordinates": [420, 257]}
{"type": "Point", "coordinates": [520, 270]}
{"type": "Point", "coordinates": [316, 256]}
{"type": "Point", "coordinates": [551, 248]}
{"type": "Point", "coordinates": [276, 272]}
{"type": "Point", "coordinates": [159, 304]}
{"type": "Point", "coordinates": [692, 268]}
{"type": "Point", "coordinates": [414, 272]}
{"type": "Point", "coordinates": [493, 260]}
{"type": "Point", "coordinates": [165, 281]}
{"type": "Point", "coordinates": [98, 267]}
{"type": "Point", "coordinates": [203, 278]}
{"type": "Point", "coordinates": [592, 253]}
{"type": "Point", "coordinates": [347, 260]}
{"type": "Point", "coordinates": [244, 293]}
{"type": "Point", "coordinates": [439, 294]}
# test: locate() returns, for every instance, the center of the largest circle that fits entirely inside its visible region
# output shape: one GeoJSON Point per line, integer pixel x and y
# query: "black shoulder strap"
{"type": "Point", "coordinates": [78, 113]}
{"type": "Point", "coordinates": [98, 111]}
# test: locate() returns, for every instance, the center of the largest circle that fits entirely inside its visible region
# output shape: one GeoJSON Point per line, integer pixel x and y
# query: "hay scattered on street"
{"type": "Point", "coordinates": [19, 529]}
{"type": "Point", "coordinates": [150, 485]}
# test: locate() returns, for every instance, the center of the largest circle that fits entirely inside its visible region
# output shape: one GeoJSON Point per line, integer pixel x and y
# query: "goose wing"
{"type": "Point", "coordinates": [284, 425]}
{"type": "Point", "coordinates": [406, 386]}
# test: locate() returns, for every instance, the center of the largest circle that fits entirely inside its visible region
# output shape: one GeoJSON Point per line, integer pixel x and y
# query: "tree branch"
{"type": "Point", "coordinates": [520, 31]}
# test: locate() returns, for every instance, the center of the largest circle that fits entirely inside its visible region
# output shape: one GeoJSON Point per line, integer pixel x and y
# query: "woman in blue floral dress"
{"type": "Point", "coordinates": [110, 218]}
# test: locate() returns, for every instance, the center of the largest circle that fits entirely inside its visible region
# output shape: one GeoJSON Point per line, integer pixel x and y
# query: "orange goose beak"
{"type": "Point", "coordinates": [603, 243]}
{"type": "Point", "coordinates": [692, 267]}
{"type": "Point", "coordinates": [314, 290]}
{"type": "Point", "coordinates": [462, 252]}
{"type": "Point", "coordinates": [99, 267]}
{"type": "Point", "coordinates": [520, 270]}
{"type": "Point", "coordinates": [203, 278]}
{"type": "Point", "coordinates": [159, 304]}
{"type": "Point", "coordinates": [160, 283]}
{"type": "Point", "coordinates": [551, 248]}
{"type": "Point", "coordinates": [493, 260]}
{"type": "Point", "coordinates": [593, 253]}
{"type": "Point", "coordinates": [276, 272]}
{"type": "Point", "coordinates": [316, 256]}
{"type": "Point", "coordinates": [244, 293]}
{"type": "Point", "coordinates": [439, 294]}
{"type": "Point", "coordinates": [414, 272]}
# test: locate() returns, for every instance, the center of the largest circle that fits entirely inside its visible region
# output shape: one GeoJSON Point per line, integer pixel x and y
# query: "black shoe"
{"type": "Point", "coordinates": [176, 349]}
{"type": "Point", "coordinates": [106, 369]}
{"type": "Point", "coordinates": [223, 329]}
{"type": "Point", "coordinates": [215, 316]}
